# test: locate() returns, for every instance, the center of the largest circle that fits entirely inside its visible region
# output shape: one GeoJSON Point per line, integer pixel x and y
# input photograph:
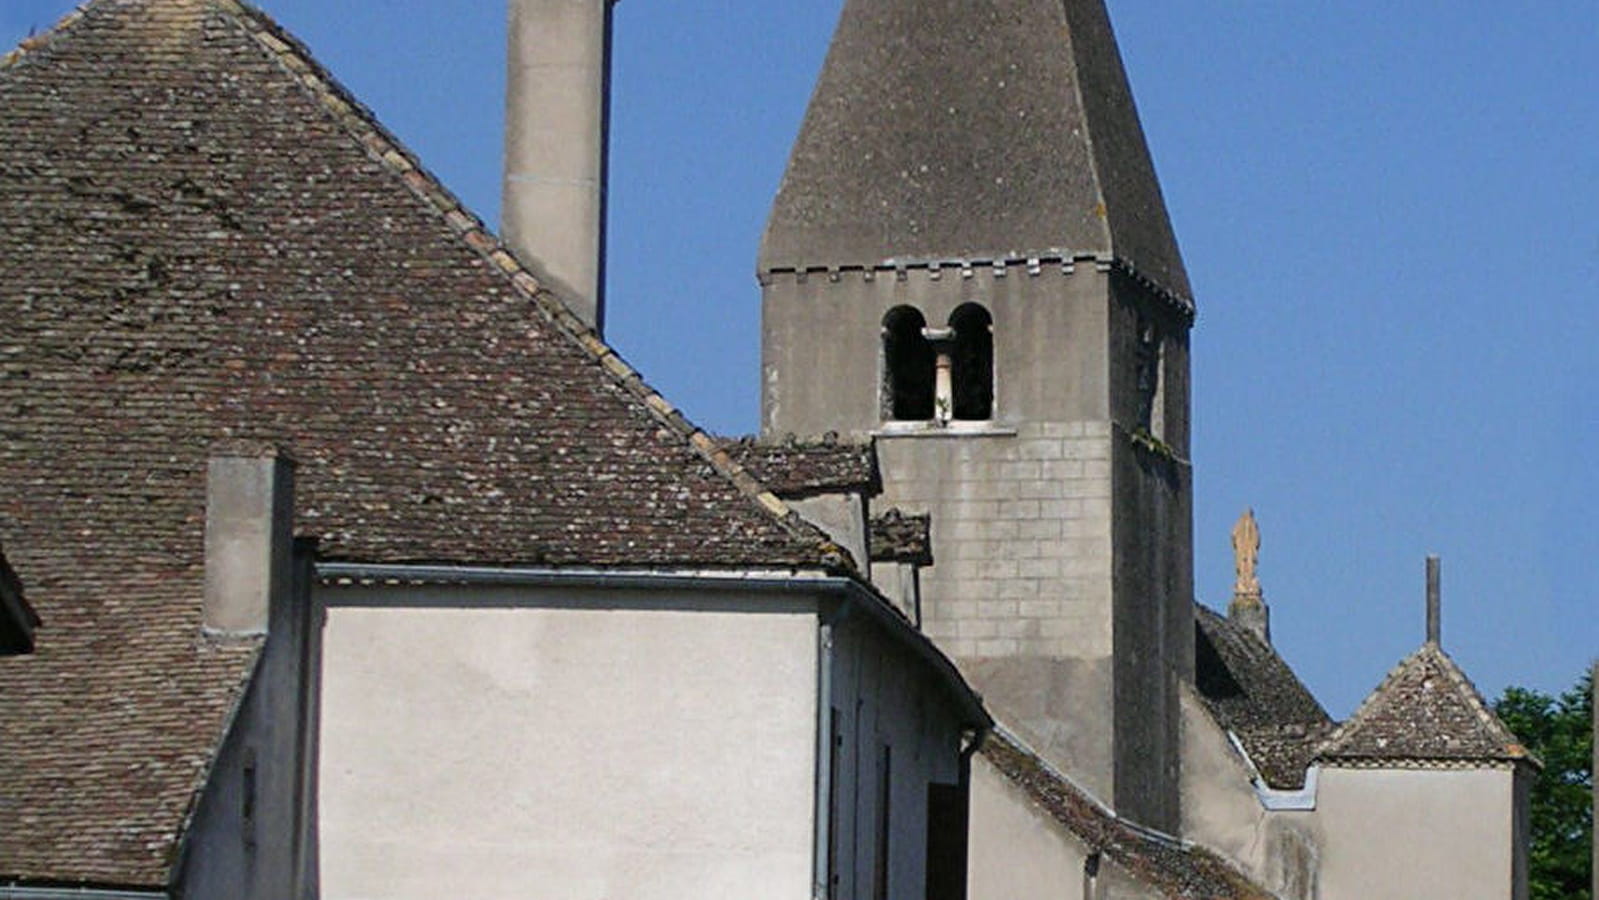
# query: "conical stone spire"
{"type": "Point", "coordinates": [972, 130]}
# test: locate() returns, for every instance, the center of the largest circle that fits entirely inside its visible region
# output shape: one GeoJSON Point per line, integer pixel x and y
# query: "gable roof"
{"type": "Point", "coordinates": [795, 469]}
{"type": "Point", "coordinates": [1173, 868]}
{"type": "Point", "coordinates": [204, 237]}
{"type": "Point", "coordinates": [972, 131]}
{"type": "Point", "coordinates": [1251, 691]}
{"type": "Point", "coordinates": [1425, 711]}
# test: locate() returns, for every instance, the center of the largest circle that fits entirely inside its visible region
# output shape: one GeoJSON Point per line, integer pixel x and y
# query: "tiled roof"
{"type": "Point", "coordinates": [1283, 754]}
{"type": "Point", "coordinates": [900, 537]}
{"type": "Point", "coordinates": [17, 618]}
{"type": "Point", "coordinates": [203, 237]}
{"type": "Point", "coordinates": [1253, 693]}
{"type": "Point", "coordinates": [1426, 710]}
{"type": "Point", "coordinates": [1173, 869]}
{"type": "Point", "coordinates": [793, 468]}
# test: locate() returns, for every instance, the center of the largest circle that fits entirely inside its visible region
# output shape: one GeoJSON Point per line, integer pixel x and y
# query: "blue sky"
{"type": "Point", "coordinates": [1390, 214]}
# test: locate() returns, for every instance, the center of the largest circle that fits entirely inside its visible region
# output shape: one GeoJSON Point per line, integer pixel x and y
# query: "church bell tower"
{"type": "Point", "coordinates": [970, 259]}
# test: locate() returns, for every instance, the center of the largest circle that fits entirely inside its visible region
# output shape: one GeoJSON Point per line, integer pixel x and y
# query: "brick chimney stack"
{"type": "Point", "coordinates": [556, 112]}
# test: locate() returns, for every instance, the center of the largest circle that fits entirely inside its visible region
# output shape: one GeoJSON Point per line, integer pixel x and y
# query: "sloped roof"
{"type": "Point", "coordinates": [956, 130]}
{"type": "Point", "coordinates": [17, 618]}
{"type": "Point", "coordinates": [1252, 692]}
{"type": "Point", "coordinates": [1426, 710]}
{"type": "Point", "coordinates": [1174, 869]}
{"type": "Point", "coordinates": [203, 237]}
{"type": "Point", "coordinates": [897, 536]}
{"type": "Point", "coordinates": [794, 468]}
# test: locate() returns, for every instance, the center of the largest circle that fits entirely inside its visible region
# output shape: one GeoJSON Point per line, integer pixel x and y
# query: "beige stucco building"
{"type": "Point", "coordinates": [363, 567]}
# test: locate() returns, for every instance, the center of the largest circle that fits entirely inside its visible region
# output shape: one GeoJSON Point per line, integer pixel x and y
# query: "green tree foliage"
{"type": "Point", "coordinates": [1560, 731]}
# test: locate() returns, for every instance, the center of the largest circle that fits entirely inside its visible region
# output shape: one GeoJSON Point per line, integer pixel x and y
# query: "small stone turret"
{"type": "Point", "coordinates": [1425, 746]}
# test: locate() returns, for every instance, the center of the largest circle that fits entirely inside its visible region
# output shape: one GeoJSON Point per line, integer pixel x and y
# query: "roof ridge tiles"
{"type": "Point", "coordinates": [33, 42]}
{"type": "Point", "coordinates": [796, 468]}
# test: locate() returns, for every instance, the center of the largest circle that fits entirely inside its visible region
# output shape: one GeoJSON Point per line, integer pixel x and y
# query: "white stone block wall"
{"type": "Point", "coordinates": [1021, 537]}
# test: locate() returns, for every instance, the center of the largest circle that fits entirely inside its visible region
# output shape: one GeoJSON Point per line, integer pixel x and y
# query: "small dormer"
{"type": "Point", "coordinates": [901, 546]}
{"type": "Point", "coordinates": [828, 481]}
{"type": "Point", "coordinates": [17, 619]}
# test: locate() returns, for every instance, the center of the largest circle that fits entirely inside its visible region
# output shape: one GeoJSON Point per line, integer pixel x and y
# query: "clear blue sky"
{"type": "Point", "coordinates": [1389, 211]}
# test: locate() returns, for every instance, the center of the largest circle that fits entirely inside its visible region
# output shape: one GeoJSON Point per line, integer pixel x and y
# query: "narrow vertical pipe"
{"type": "Point", "coordinates": [1434, 602]}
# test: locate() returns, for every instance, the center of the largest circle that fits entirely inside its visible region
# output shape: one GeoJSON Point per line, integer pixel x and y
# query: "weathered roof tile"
{"type": "Point", "coordinates": [897, 536]}
{"type": "Point", "coordinates": [1425, 711]}
{"type": "Point", "coordinates": [1252, 692]}
{"type": "Point", "coordinates": [796, 469]}
{"type": "Point", "coordinates": [1174, 869]}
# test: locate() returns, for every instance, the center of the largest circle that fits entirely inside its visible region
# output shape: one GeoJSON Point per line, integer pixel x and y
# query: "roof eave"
{"type": "Point", "coordinates": [59, 892]}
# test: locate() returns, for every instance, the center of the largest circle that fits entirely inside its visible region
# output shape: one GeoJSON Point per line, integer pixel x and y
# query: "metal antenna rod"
{"type": "Point", "coordinates": [1434, 601]}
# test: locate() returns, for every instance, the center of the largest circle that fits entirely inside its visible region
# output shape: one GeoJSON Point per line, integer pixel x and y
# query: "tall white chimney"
{"type": "Point", "coordinates": [556, 110]}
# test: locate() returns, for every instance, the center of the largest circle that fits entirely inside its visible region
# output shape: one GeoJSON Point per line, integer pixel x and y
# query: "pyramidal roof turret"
{"type": "Point", "coordinates": [945, 130]}
{"type": "Point", "coordinates": [1426, 710]}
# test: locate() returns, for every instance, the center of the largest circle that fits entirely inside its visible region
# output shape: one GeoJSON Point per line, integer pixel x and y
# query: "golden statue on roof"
{"type": "Point", "coordinates": [1246, 554]}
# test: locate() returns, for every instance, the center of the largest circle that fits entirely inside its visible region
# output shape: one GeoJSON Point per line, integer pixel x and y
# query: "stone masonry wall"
{"type": "Point", "coordinates": [1021, 536]}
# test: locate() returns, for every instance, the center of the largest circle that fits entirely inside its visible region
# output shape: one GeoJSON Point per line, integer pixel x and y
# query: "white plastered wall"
{"type": "Point", "coordinates": [1017, 851]}
{"type": "Point", "coordinates": [507, 749]}
{"type": "Point", "coordinates": [886, 699]}
{"type": "Point", "coordinates": [1278, 848]}
{"type": "Point", "coordinates": [1417, 834]}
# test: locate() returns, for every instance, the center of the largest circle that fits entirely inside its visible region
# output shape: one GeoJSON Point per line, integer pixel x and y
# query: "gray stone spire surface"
{"type": "Point", "coordinates": [972, 129]}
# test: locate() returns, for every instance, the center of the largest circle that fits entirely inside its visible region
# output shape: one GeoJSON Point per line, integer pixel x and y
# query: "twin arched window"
{"type": "Point", "coordinates": [908, 363]}
{"type": "Point", "coordinates": [938, 373]}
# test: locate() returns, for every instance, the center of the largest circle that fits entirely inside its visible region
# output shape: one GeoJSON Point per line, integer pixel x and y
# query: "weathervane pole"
{"type": "Point", "coordinates": [1434, 602]}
